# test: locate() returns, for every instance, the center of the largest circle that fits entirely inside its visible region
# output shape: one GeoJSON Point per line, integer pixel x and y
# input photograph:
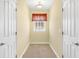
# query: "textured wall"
{"type": "Point", "coordinates": [22, 26]}
{"type": "Point", "coordinates": [55, 26]}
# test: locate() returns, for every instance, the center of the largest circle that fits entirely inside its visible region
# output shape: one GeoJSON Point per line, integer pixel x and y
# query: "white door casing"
{"type": "Point", "coordinates": [71, 28]}
{"type": "Point", "coordinates": [7, 28]}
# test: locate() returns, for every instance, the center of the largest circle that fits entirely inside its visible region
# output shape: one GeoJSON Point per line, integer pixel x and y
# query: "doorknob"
{"type": "Point", "coordinates": [77, 44]}
{"type": "Point", "coordinates": [1, 44]}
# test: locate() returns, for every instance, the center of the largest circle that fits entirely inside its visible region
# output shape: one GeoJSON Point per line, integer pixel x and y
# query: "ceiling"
{"type": "Point", "coordinates": [39, 4]}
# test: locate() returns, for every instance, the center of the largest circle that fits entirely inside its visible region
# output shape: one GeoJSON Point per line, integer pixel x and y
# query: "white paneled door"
{"type": "Point", "coordinates": [71, 28]}
{"type": "Point", "coordinates": [7, 28]}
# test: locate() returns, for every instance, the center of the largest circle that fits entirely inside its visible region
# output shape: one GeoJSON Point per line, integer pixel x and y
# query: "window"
{"type": "Point", "coordinates": [39, 26]}
{"type": "Point", "coordinates": [39, 22]}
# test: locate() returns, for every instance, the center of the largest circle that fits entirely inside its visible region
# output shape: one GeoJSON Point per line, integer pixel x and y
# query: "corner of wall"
{"type": "Point", "coordinates": [54, 51]}
{"type": "Point", "coordinates": [27, 45]}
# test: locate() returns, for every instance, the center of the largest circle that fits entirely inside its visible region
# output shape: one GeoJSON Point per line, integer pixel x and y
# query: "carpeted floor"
{"type": "Point", "coordinates": [39, 51]}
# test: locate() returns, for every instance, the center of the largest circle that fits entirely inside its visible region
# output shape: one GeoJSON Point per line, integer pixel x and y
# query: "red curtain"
{"type": "Point", "coordinates": [39, 17]}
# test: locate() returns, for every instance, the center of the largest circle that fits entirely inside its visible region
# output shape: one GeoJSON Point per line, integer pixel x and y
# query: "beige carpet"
{"type": "Point", "coordinates": [39, 51]}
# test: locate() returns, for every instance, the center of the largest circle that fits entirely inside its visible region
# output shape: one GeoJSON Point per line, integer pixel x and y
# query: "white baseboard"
{"type": "Point", "coordinates": [25, 50]}
{"type": "Point", "coordinates": [39, 42]}
{"type": "Point", "coordinates": [54, 51]}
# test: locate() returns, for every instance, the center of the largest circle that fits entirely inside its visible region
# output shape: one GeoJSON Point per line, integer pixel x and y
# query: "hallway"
{"type": "Point", "coordinates": [39, 28]}
{"type": "Point", "coordinates": [25, 22]}
{"type": "Point", "coordinates": [39, 51]}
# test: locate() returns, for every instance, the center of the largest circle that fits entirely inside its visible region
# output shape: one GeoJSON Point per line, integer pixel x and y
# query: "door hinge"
{"type": "Point", "coordinates": [16, 56]}
{"type": "Point", "coordinates": [16, 9]}
{"type": "Point", "coordinates": [62, 33]}
{"type": "Point", "coordinates": [15, 33]}
{"type": "Point", "coordinates": [62, 9]}
{"type": "Point", "coordinates": [62, 56]}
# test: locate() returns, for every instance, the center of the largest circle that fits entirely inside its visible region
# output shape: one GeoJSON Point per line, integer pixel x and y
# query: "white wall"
{"type": "Point", "coordinates": [22, 26]}
{"type": "Point", "coordinates": [55, 27]}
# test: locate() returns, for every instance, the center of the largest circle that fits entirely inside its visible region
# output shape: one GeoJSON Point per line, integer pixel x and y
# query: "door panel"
{"type": "Point", "coordinates": [7, 29]}
{"type": "Point", "coordinates": [1, 17]}
{"type": "Point", "coordinates": [71, 28]}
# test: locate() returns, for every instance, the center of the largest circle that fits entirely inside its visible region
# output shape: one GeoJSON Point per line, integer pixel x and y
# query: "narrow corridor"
{"type": "Point", "coordinates": [39, 28]}
{"type": "Point", "coordinates": [39, 51]}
